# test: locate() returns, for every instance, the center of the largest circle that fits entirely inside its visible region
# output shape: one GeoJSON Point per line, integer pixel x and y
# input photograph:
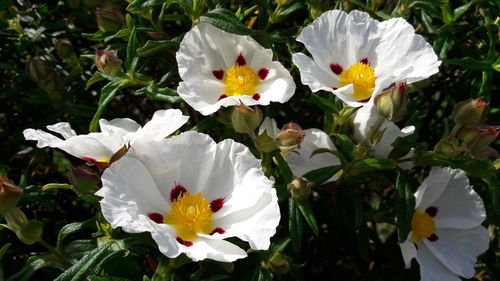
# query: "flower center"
{"type": "Point", "coordinates": [190, 214]}
{"type": "Point", "coordinates": [362, 76]}
{"type": "Point", "coordinates": [240, 80]}
{"type": "Point", "coordinates": [422, 226]}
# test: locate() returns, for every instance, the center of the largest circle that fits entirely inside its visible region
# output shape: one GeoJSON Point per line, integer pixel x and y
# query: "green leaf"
{"type": "Point", "coordinates": [307, 212]}
{"type": "Point", "coordinates": [405, 205]}
{"type": "Point", "coordinates": [107, 94]}
{"type": "Point", "coordinates": [107, 278]}
{"type": "Point", "coordinates": [138, 6]}
{"type": "Point", "coordinates": [132, 46]}
{"type": "Point", "coordinates": [4, 249]}
{"type": "Point", "coordinates": [458, 12]}
{"type": "Point", "coordinates": [161, 94]}
{"type": "Point", "coordinates": [295, 224]}
{"type": "Point", "coordinates": [73, 228]}
{"type": "Point", "coordinates": [321, 175]}
{"type": "Point", "coordinates": [472, 64]}
{"type": "Point", "coordinates": [345, 145]}
{"type": "Point", "coordinates": [33, 264]}
{"type": "Point", "coordinates": [154, 46]}
{"type": "Point", "coordinates": [371, 164]}
{"type": "Point", "coordinates": [94, 79]}
{"type": "Point", "coordinates": [286, 12]}
{"type": "Point", "coordinates": [283, 167]}
{"type": "Point", "coordinates": [50, 186]}
{"type": "Point", "coordinates": [97, 36]}
{"type": "Point", "coordinates": [402, 146]}
{"type": "Point", "coordinates": [324, 104]}
{"type": "Point", "coordinates": [76, 249]}
{"type": "Point", "coordinates": [227, 21]}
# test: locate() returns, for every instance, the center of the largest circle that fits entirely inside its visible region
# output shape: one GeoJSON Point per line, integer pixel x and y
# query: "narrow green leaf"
{"type": "Point", "coordinates": [138, 6]}
{"type": "Point", "coordinates": [154, 46]}
{"type": "Point", "coordinates": [107, 278]}
{"type": "Point", "coordinates": [295, 224]}
{"type": "Point", "coordinates": [371, 164]}
{"type": "Point", "coordinates": [107, 94]}
{"type": "Point", "coordinates": [324, 104]}
{"type": "Point", "coordinates": [73, 228]}
{"type": "Point", "coordinates": [307, 212]}
{"type": "Point", "coordinates": [405, 205]}
{"type": "Point", "coordinates": [4, 249]}
{"type": "Point", "coordinates": [132, 46]}
{"type": "Point", "coordinates": [50, 186]}
{"type": "Point", "coordinates": [472, 64]}
{"type": "Point", "coordinates": [344, 144]}
{"type": "Point", "coordinates": [458, 12]}
{"type": "Point", "coordinates": [94, 79]}
{"type": "Point", "coordinates": [227, 21]}
{"type": "Point", "coordinates": [33, 264]}
{"type": "Point", "coordinates": [321, 175]}
{"type": "Point", "coordinates": [283, 167]}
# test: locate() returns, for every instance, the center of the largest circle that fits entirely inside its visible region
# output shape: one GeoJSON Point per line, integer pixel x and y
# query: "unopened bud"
{"type": "Point", "coordinates": [279, 263]}
{"type": "Point", "coordinates": [45, 77]}
{"type": "Point", "coordinates": [471, 112]}
{"type": "Point", "coordinates": [15, 218]}
{"type": "Point", "coordinates": [31, 232]}
{"type": "Point", "coordinates": [9, 195]}
{"type": "Point", "coordinates": [64, 49]}
{"type": "Point", "coordinates": [265, 143]}
{"type": "Point", "coordinates": [477, 140]}
{"type": "Point", "coordinates": [290, 137]}
{"type": "Point", "coordinates": [447, 149]}
{"type": "Point", "coordinates": [392, 102]}
{"type": "Point", "coordinates": [245, 119]}
{"type": "Point", "coordinates": [84, 179]}
{"type": "Point", "coordinates": [300, 188]}
{"type": "Point", "coordinates": [107, 62]}
{"type": "Point", "coordinates": [109, 20]}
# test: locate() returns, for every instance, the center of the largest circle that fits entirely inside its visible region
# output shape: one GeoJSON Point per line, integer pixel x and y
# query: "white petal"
{"type": "Point", "coordinates": [431, 269]}
{"type": "Point", "coordinates": [118, 126]}
{"type": "Point", "coordinates": [276, 88]}
{"type": "Point", "coordinates": [300, 160]}
{"type": "Point", "coordinates": [409, 251]}
{"type": "Point", "coordinates": [63, 128]}
{"type": "Point", "coordinates": [218, 250]}
{"type": "Point", "coordinates": [163, 124]}
{"type": "Point", "coordinates": [43, 139]}
{"type": "Point", "coordinates": [432, 187]}
{"type": "Point", "coordinates": [94, 145]}
{"type": "Point", "coordinates": [312, 75]}
{"type": "Point", "coordinates": [269, 125]}
{"type": "Point", "coordinates": [458, 249]}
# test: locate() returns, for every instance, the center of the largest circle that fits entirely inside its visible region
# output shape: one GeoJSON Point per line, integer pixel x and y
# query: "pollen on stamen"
{"type": "Point", "coordinates": [222, 97]}
{"type": "Point", "coordinates": [216, 205]}
{"type": "Point", "coordinates": [219, 74]}
{"type": "Point", "coordinates": [241, 60]}
{"type": "Point", "coordinates": [336, 68]}
{"type": "Point", "coordinates": [184, 242]}
{"type": "Point", "coordinates": [365, 61]}
{"type": "Point", "coordinates": [433, 237]}
{"type": "Point", "coordinates": [217, 230]}
{"type": "Point", "coordinates": [156, 217]}
{"type": "Point", "coordinates": [432, 211]}
{"type": "Point", "coordinates": [256, 97]}
{"type": "Point", "coordinates": [177, 191]}
{"type": "Point", "coordinates": [263, 72]}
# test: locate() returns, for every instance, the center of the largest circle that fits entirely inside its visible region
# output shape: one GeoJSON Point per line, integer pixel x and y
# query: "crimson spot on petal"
{"type": "Point", "coordinates": [364, 101]}
{"type": "Point", "coordinates": [263, 72]}
{"type": "Point", "coordinates": [432, 211]}
{"type": "Point", "coordinates": [184, 242]}
{"type": "Point", "coordinates": [222, 97]}
{"type": "Point", "coordinates": [216, 204]}
{"type": "Point", "coordinates": [217, 230]}
{"type": "Point", "coordinates": [103, 165]}
{"type": "Point", "coordinates": [219, 74]}
{"type": "Point", "coordinates": [365, 61]}
{"type": "Point", "coordinates": [156, 217]}
{"type": "Point", "coordinates": [433, 237]}
{"type": "Point", "coordinates": [256, 97]}
{"type": "Point", "coordinates": [176, 192]}
{"type": "Point", "coordinates": [336, 68]}
{"type": "Point", "coordinates": [241, 60]}
{"type": "Point", "coordinates": [334, 88]}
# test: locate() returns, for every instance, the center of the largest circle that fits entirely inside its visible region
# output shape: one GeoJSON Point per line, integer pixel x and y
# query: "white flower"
{"type": "Point", "coordinates": [446, 235]}
{"type": "Point", "coordinates": [98, 148]}
{"type": "Point", "coordinates": [301, 159]}
{"type": "Point", "coordinates": [364, 120]}
{"type": "Point", "coordinates": [191, 193]}
{"type": "Point", "coordinates": [356, 57]}
{"type": "Point", "coordinates": [224, 69]}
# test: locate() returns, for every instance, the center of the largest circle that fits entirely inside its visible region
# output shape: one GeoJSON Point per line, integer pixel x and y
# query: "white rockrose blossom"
{"type": "Point", "coordinates": [191, 193]}
{"type": "Point", "coordinates": [446, 235]}
{"type": "Point", "coordinates": [224, 69]}
{"type": "Point", "coordinates": [98, 148]}
{"type": "Point", "coordinates": [301, 160]}
{"type": "Point", "coordinates": [356, 57]}
{"type": "Point", "coordinates": [366, 118]}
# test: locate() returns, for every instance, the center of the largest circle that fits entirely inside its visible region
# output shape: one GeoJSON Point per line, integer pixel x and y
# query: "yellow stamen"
{"type": "Point", "coordinates": [422, 226]}
{"type": "Point", "coordinates": [240, 80]}
{"type": "Point", "coordinates": [190, 214]}
{"type": "Point", "coordinates": [362, 76]}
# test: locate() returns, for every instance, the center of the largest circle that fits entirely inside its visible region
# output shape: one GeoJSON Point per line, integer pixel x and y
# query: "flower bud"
{"type": "Point", "coordinates": [245, 119]}
{"type": "Point", "coordinates": [45, 77]}
{"type": "Point", "coordinates": [84, 179]}
{"type": "Point", "coordinates": [64, 49]}
{"type": "Point", "coordinates": [279, 263]}
{"type": "Point", "coordinates": [15, 218]}
{"type": "Point", "coordinates": [471, 112]}
{"type": "Point", "coordinates": [107, 62]}
{"type": "Point", "coordinates": [290, 137]}
{"type": "Point", "coordinates": [265, 143]}
{"type": "Point", "coordinates": [300, 188]}
{"type": "Point", "coordinates": [31, 232]}
{"type": "Point", "coordinates": [109, 20]}
{"type": "Point", "coordinates": [447, 149]}
{"type": "Point", "coordinates": [9, 195]}
{"type": "Point", "coordinates": [392, 102]}
{"type": "Point", "coordinates": [477, 140]}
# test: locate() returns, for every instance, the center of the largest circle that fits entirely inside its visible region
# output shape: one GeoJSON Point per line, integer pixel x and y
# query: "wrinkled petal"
{"type": "Point", "coordinates": [269, 125]}
{"type": "Point", "coordinates": [118, 126]}
{"type": "Point", "coordinates": [43, 139]}
{"type": "Point", "coordinates": [218, 250]}
{"type": "Point", "coordinates": [63, 128]}
{"type": "Point", "coordinates": [457, 249]}
{"type": "Point", "coordinates": [163, 124]}
{"type": "Point", "coordinates": [431, 269]}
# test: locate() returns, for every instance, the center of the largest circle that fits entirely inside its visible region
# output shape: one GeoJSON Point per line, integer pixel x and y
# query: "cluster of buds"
{"type": "Point", "coordinates": [470, 134]}
{"type": "Point", "coordinates": [392, 102]}
{"type": "Point", "coordinates": [107, 62]}
{"type": "Point", "coordinates": [28, 231]}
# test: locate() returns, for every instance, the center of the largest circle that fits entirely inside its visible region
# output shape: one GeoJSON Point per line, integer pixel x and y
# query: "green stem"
{"type": "Point", "coordinates": [56, 252]}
